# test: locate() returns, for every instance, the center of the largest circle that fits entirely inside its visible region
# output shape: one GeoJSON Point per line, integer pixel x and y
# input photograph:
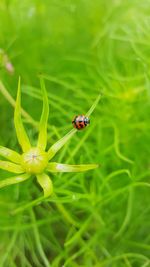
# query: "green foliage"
{"type": "Point", "coordinates": [35, 160]}
{"type": "Point", "coordinates": [80, 48]}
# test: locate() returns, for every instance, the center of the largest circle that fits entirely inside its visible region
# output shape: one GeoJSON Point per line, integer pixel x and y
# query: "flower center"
{"type": "Point", "coordinates": [34, 161]}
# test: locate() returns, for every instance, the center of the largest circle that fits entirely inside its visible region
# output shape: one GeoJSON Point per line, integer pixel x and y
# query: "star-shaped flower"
{"type": "Point", "coordinates": [36, 161]}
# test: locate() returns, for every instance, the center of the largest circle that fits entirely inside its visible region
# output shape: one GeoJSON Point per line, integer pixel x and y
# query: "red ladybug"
{"type": "Point", "coordinates": [80, 122]}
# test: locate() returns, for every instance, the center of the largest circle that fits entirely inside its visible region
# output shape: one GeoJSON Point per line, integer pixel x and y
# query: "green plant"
{"type": "Point", "coordinates": [35, 160]}
{"type": "Point", "coordinates": [101, 217]}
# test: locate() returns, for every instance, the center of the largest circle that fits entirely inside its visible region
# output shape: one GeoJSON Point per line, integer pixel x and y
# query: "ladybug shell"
{"type": "Point", "coordinates": [80, 122]}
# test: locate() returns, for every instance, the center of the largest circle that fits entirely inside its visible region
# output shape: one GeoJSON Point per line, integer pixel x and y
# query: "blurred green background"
{"type": "Point", "coordinates": [102, 217]}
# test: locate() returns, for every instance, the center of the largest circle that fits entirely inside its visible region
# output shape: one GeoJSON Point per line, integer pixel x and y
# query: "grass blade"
{"type": "Point", "coordinates": [39, 245]}
{"type": "Point", "coordinates": [94, 105]}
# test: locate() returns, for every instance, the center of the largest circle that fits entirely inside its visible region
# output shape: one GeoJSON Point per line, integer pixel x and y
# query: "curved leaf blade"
{"type": "Point", "coordinates": [10, 154]}
{"type": "Point", "coordinates": [94, 105]}
{"type": "Point", "coordinates": [46, 183]}
{"type": "Point", "coordinates": [14, 180]}
{"type": "Point", "coordinates": [11, 167]}
{"type": "Point", "coordinates": [60, 143]}
{"type": "Point", "coordinates": [20, 130]}
{"type": "Point", "coordinates": [42, 139]}
{"type": "Point", "coordinates": [58, 167]}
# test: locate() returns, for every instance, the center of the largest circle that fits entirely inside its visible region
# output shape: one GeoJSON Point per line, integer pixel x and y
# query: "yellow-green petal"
{"type": "Point", "coordinates": [46, 183]}
{"type": "Point", "coordinates": [42, 139]}
{"type": "Point", "coordinates": [58, 167]}
{"type": "Point", "coordinates": [20, 131]}
{"type": "Point", "coordinates": [11, 167]}
{"type": "Point", "coordinates": [14, 180]}
{"type": "Point", "coordinates": [59, 144]}
{"type": "Point", "coordinates": [10, 154]}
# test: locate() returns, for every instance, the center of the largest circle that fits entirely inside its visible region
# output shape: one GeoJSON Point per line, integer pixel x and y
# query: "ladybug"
{"type": "Point", "coordinates": [80, 122]}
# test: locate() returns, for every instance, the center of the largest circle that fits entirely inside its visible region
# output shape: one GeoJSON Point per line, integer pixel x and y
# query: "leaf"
{"type": "Point", "coordinates": [10, 154]}
{"type": "Point", "coordinates": [42, 140]}
{"type": "Point", "coordinates": [10, 99]}
{"type": "Point", "coordinates": [117, 148]}
{"type": "Point", "coordinates": [58, 167]}
{"type": "Point", "coordinates": [59, 144]}
{"type": "Point", "coordinates": [20, 131]}
{"type": "Point", "coordinates": [14, 180]}
{"type": "Point", "coordinates": [11, 167]}
{"type": "Point", "coordinates": [46, 183]}
{"type": "Point", "coordinates": [93, 106]}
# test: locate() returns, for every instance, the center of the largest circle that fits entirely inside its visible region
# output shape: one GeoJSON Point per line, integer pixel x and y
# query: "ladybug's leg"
{"type": "Point", "coordinates": [74, 120]}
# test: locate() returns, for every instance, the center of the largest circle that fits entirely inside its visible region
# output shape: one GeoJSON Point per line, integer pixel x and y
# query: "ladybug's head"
{"type": "Point", "coordinates": [87, 120]}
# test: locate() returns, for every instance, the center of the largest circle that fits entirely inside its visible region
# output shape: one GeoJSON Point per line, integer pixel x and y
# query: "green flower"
{"type": "Point", "coordinates": [36, 161]}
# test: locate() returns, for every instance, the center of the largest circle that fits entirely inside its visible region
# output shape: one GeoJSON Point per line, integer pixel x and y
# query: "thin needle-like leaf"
{"type": "Point", "coordinates": [39, 246]}
{"type": "Point", "coordinates": [59, 144]}
{"type": "Point", "coordinates": [94, 105]}
{"type": "Point", "coordinates": [10, 154]}
{"type": "Point", "coordinates": [46, 184]}
{"type": "Point", "coordinates": [14, 180]}
{"type": "Point", "coordinates": [42, 140]}
{"type": "Point", "coordinates": [11, 167]}
{"type": "Point", "coordinates": [117, 148]}
{"type": "Point", "coordinates": [58, 167]}
{"type": "Point", "coordinates": [20, 131]}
